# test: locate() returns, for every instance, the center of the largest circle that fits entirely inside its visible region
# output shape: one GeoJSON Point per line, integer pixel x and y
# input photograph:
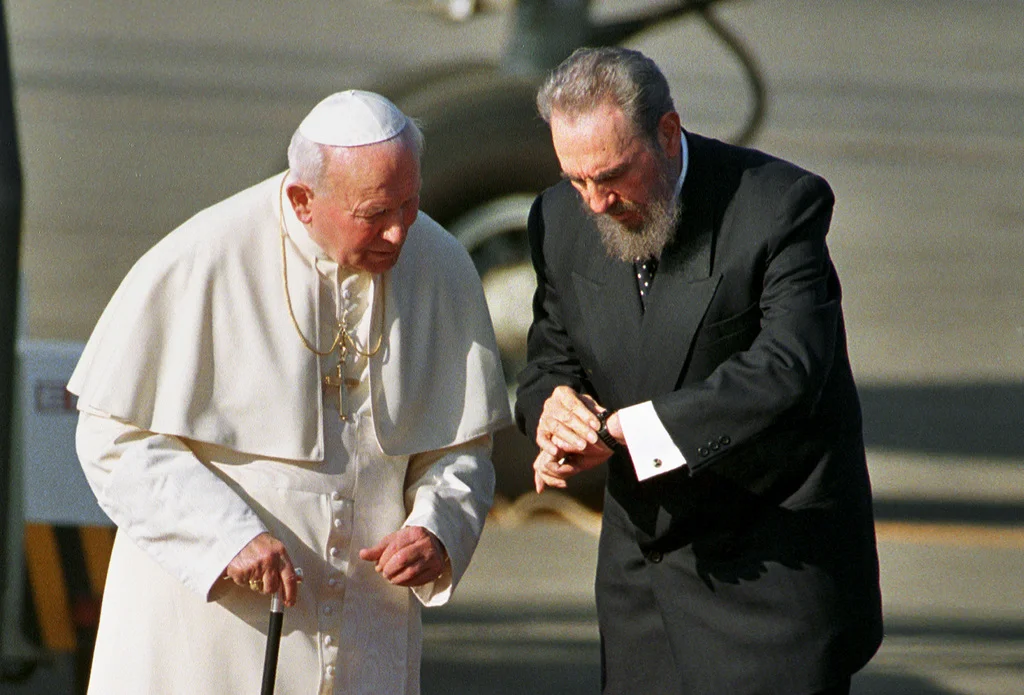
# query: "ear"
{"type": "Point", "coordinates": [301, 196]}
{"type": "Point", "coordinates": [669, 133]}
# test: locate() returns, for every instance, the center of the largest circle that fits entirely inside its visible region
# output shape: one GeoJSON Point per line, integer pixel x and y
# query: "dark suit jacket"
{"type": "Point", "coordinates": [759, 558]}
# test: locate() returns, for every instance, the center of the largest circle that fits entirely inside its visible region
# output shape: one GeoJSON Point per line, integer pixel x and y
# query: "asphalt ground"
{"type": "Point", "coordinates": [134, 115]}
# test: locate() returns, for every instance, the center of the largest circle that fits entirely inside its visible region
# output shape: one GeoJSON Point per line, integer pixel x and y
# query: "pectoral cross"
{"type": "Point", "coordinates": [336, 380]}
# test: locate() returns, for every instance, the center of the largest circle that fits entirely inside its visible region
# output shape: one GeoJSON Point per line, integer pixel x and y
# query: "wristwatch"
{"type": "Point", "coordinates": [603, 434]}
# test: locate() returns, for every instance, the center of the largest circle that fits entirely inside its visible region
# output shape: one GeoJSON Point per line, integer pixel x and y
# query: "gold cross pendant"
{"type": "Point", "coordinates": [336, 380]}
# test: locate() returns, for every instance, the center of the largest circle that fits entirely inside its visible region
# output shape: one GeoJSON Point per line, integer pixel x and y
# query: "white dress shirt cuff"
{"type": "Point", "coordinates": [650, 445]}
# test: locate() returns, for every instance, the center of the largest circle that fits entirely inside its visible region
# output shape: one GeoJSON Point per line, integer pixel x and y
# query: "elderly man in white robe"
{"type": "Point", "coordinates": [302, 376]}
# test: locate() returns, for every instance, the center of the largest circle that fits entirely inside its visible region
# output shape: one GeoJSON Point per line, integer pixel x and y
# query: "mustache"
{"type": "Point", "coordinates": [647, 240]}
{"type": "Point", "coordinates": [620, 206]}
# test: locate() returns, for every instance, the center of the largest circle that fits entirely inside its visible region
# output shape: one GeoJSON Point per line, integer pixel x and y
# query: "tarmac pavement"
{"type": "Point", "coordinates": [135, 114]}
{"type": "Point", "coordinates": [523, 619]}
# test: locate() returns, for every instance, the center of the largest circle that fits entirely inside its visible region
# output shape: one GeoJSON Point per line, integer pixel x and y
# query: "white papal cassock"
{"type": "Point", "coordinates": [204, 423]}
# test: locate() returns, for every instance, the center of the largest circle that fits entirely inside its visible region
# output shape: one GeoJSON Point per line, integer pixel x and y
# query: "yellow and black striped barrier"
{"type": "Point", "coordinates": [66, 568]}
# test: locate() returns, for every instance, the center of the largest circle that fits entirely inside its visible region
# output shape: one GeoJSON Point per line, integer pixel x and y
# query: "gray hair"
{"type": "Point", "coordinates": [307, 160]}
{"type": "Point", "coordinates": [591, 76]}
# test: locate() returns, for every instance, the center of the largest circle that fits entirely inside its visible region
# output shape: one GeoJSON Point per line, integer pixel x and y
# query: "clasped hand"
{"type": "Point", "coordinates": [411, 556]}
{"type": "Point", "coordinates": [567, 437]}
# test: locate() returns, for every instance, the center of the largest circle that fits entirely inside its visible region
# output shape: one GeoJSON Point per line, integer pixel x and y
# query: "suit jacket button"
{"type": "Point", "coordinates": [703, 451]}
{"type": "Point", "coordinates": [714, 446]}
{"type": "Point", "coordinates": [724, 440]}
{"type": "Point", "coordinates": [654, 557]}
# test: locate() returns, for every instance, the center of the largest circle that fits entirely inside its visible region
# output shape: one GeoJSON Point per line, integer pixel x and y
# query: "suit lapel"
{"type": "Point", "coordinates": [645, 353]}
{"type": "Point", "coordinates": [610, 308]}
{"type": "Point", "coordinates": [681, 292]}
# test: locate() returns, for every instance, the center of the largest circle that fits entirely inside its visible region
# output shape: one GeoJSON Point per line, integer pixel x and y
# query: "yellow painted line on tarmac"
{"type": "Point", "coordinates": [560, 505]}
{"type": "Point", "coordinates": [549, 503]}
{"type": "Point", "coordinates": [49, 589]}
{"type": "Point", "coordinates": [97, 544]}
{"type": "Point", "coordinates": [977, 535]}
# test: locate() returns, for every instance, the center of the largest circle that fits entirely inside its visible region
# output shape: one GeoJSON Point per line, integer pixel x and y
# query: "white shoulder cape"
{"type": "Point", "coordinates": [197, 341]}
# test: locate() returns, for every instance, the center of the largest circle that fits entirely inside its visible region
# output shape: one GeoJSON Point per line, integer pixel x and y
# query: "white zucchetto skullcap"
{"type": "Point", "coordinates": [352, 119]}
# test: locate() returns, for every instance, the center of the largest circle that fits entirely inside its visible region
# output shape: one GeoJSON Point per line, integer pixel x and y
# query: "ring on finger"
{"type": "Point", "coordinates": [256, 584]}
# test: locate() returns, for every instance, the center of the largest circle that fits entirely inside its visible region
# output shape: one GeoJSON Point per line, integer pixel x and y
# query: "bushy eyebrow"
{"type": "Point", "coordinates": [612, 173]}
{"type": "Point", "coordinates": [374, 209]}
{"type": "Point", "coordinates": [370, 211]}
{"type": "Point", "coordinates": [602, 177]}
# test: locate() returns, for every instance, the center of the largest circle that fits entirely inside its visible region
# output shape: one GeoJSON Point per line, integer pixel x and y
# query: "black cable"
{"type": "Point", "coordinates": [618, 32]}
{"type": "Point", "coordinates": [751, 71]}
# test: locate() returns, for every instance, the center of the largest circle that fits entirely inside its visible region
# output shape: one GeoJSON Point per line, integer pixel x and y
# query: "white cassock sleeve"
{"type": "Point", "coordinates": [449, 492]}
{"type": "Point", "coordinates": [172, 506]}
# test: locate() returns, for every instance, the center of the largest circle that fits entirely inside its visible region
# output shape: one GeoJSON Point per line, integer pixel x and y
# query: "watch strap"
{"type": "Point", "coordinates": [603, 434]}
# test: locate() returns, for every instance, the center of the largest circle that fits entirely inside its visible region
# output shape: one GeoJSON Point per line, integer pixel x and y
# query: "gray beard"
{"type": "Point", "coordinates": [657, 231]}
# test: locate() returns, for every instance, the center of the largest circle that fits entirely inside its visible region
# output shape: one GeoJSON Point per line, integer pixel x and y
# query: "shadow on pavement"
{"type": "Point", "coordinates": [891, 684]}
{"type": "Point", "coordinates": [1000, 514]}
{"type": "Point", "coordinates": [553, 650]}
{"type": "Point", "coordinates": [506, 650]}
{"type": "Point", "coordinates": [510, 679]}
{"type": "Point", "coordinates": [980, 419]}
{"type": "Point", "coordinates": [513, 676]}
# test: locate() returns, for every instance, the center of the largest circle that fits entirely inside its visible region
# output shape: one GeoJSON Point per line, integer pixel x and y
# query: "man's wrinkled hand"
{"type": "Point", "coordinates": [263, 566]}
{"type": "Point", "coordinates": [411, 556]}
{"type": "Point", "coordinates": [549, 471]}
{"type": "Point", "coordinates": [567, 424]}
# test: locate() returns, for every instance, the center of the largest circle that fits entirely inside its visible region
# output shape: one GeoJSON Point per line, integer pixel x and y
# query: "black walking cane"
{"type": "Point", "coordinates": [273, 644]}
{"type": "Point", "coordinates": [274, 639]}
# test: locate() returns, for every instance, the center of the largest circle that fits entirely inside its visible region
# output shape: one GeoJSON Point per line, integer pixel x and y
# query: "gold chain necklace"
{"type": "Point", "coordinates": [342, 336]}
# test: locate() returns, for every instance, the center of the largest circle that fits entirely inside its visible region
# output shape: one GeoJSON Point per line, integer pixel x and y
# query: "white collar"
{"type": "Point", "coordinates": [684, 154]}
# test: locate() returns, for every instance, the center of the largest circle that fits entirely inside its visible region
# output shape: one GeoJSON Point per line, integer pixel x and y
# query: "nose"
{"type": "Point", "coordinates": [396, 228]}
{"type": "Point", "coordinates": [393, 232]}
{"type": "Point", "coordinates": [598, 198]}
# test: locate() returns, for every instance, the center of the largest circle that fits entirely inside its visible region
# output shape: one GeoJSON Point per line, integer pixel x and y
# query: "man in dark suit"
{"type": "Point", "coordinates": [688, 331]}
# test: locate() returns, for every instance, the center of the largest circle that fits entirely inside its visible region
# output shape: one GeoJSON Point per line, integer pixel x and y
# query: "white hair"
{"type": "Point", "coordinates": [307, 160]}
